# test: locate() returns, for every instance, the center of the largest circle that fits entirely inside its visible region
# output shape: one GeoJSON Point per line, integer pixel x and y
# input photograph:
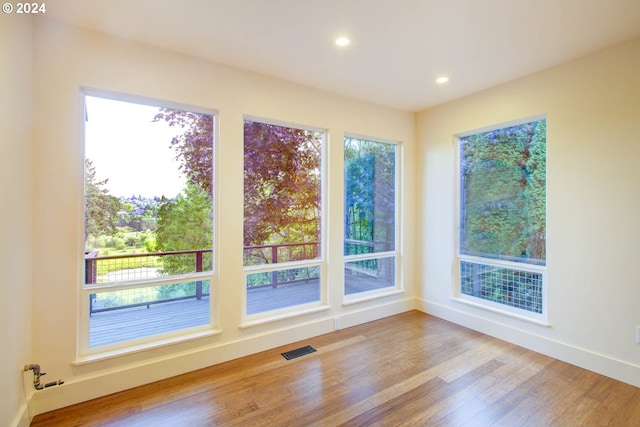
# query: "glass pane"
{"type": "Point", "coordinates": [148, 197]}
{"type": "Point", "coordinates": [136, 313]}
{"type": "Point", "coordinates": [503, 187]}
{"type": "Point", "coordinates": [515, 288]}
{"type": "Point", "coordinates": [370, 196]}
{"type": "Point", "coordinates": [267, 291]}
{"type": "Point", "coordinates": [367, 275]}
{"type": "Point", "coordinates": [282, 193]}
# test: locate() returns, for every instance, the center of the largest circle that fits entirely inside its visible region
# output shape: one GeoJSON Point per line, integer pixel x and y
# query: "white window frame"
{"type": "Point", "coordinates": [457, 295]}
{"type": "Point", "coordinates": [396, 253]}
{"type": "Point", "coordinates": [250, 320]}
{"type": "Point", "coordinates": [86, 354]}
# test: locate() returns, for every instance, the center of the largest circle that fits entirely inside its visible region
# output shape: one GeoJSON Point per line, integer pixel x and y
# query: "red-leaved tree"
{"type": "Point", "coordinates": [281, 175]}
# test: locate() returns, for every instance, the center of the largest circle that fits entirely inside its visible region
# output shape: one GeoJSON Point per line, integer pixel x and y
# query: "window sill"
{"type": "Point", "coordinates": [263, 320]}
{"type": "Point", "coordinates": [112, 354]}
{"type": "Point", "coordinates": [351, 300]}
{"type": "Point", "coordinates": [535, 321]}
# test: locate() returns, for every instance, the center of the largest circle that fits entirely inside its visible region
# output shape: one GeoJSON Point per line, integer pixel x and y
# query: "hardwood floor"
{"type": "Point", "coordinates": [411, 369]}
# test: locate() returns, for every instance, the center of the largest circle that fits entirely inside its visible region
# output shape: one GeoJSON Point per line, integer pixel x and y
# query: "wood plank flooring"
{"type": "Point", "coordinates": [410, 369]}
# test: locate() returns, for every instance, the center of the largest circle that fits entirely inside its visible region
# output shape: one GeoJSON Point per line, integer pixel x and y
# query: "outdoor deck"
{"type": "Point", "coordinates": [129, 323]}
{"type": "Point", "coordinates": [112, 323]}
{"type": "Point", "coordinates": [126, 324]}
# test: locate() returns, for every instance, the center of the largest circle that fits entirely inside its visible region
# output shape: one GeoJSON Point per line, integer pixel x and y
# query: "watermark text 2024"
{"type": "Point", "coordinates": [22, 8]}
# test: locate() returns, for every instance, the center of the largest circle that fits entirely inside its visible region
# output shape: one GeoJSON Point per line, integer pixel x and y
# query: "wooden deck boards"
{"type": "Point", "coordinates": [269, 298]}
{"type": "Point", "coordinates": [126, 324]}
{"type": "Point", "coordinates": [122, 325]}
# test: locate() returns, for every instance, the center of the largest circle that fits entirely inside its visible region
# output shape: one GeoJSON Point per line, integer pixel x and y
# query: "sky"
{"type": "Point", "coordinates": [130, 150]}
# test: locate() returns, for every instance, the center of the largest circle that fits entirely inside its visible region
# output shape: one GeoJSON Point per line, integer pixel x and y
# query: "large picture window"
{"type": "Point", "coordinates": [148, 234]}
{"type": "Point", "coordinates": [282, 216]}
{"type": "Point", "coordinates": [502, 199]}
{"type": "Point", "coordinates": [370, 222]}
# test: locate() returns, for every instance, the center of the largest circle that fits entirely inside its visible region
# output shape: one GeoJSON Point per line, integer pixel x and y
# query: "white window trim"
{"type": "Point", "coordinates": [165, 340]}
{"type": "Point", "coordinates": [456, 295]}
{"type": "Point", "coordinates": [86, 354]}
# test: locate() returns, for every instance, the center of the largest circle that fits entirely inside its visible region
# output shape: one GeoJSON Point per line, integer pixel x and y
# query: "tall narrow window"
{"type": "Point", "coordinates": [282, 216]}
{"type": "Point", "coordinates": [502, 249]}
{"type": "Point", "coordinates": [370, 222]}
{"type": "Point", "coordinates": [148, 220]}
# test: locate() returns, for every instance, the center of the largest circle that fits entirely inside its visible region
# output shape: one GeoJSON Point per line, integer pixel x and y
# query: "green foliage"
{"type": "Point", "coordinates": [139, 213]}
{"type": "Point", "coordinates": [283, 276]}
{"type": "Point", "coordinates": [101, 208]}
{"type": "Point", "coordinates": [503, 182]}
{"type": "Point", "coordinates": [535, 192]}
{"type": "Point", "coordinates": [179, 290]}
{"type": "Point", "coordinates": [369, 195]}
{"type": "Point", "coordinates": [149, 294]}
{"type": "Point", "coordinates": [118, 243]}
{"type": "Point", "coordinates": [128, 296]}
{"type": "Point", "coordinates": [150, 244]}
{"type": "Point", "coordinates": [183, 224]}
{"type": "Point", "coordinates": [120, 264]}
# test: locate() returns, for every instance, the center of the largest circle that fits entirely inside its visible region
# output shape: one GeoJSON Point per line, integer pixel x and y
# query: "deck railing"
{"type": "Point", "coordinates": [128, 267]}
{"type": "Point", "coordinates": [117, 268]}
{"type": "Point", "coordinates": [272, 254]}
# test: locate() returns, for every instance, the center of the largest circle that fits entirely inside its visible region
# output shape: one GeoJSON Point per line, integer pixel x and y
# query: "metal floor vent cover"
{"type": "Point", "coordinates": [292, 354]}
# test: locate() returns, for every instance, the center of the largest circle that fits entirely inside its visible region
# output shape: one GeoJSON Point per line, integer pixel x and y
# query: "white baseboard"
{"type": "Point", "coordinates": [369, 314]}
{"type": "Point", "coordinates": [102, 383]}
{"type": "Point", "coordinates": [584, 358]}
{"type": "Point", "coordinates": [22, 418]}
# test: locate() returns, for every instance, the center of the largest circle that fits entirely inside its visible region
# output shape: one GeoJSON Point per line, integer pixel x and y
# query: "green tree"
{"type": "Point", "coordinates": [535, 192]}
{"type": "Point", "coordinates": [139, 213]}
{"type": "Point", "coordinates": [369, 194]}
{"type": "Point", "coordinates": [184, 224]}
{"type": "Point", "coordinates": [101, 208]}
{"type": "Point", "coordinates": [503, 182]}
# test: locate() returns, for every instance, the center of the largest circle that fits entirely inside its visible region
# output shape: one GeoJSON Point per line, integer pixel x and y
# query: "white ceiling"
{"type": "Point", "coordinates": [398, 47]}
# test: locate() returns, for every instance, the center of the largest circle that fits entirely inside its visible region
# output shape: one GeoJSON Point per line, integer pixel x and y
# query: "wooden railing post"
{"type": "Point", "coordinates": [198, 270]}
{"type": "Point", "coordinates": [90, 274]}
{"type": "Point", "coordinates": [274, 260]}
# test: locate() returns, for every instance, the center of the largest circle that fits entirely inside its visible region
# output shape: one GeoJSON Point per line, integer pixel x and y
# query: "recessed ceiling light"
{"type": "Point", "coordinates": [342, 41]}
{"type": "Point", "coordinates": [442, 80]}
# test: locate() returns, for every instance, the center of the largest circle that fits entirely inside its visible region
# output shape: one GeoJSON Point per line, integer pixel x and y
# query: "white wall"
{"type": "Point", "coordinates": [66, 58]}
{"type": "Point", "coordinates": [593, 206]}
{"type": "Point", "coordinates": [16, 251]}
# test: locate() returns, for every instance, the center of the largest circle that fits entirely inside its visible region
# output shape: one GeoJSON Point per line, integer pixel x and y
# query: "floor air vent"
{"type": "Point", "coordinates": [292, 354]}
